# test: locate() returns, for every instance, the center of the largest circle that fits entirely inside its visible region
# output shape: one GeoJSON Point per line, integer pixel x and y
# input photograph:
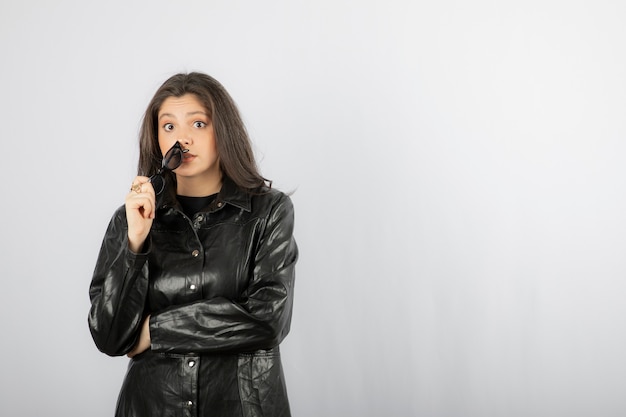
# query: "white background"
{"type": "Point", "coordinates": [459, 180]}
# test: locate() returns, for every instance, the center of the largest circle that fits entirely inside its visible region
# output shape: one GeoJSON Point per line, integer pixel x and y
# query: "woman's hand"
{"type": "Point", "coordinates": [143, 343]}
{"type": "Point", "coordinates": [140, 209]}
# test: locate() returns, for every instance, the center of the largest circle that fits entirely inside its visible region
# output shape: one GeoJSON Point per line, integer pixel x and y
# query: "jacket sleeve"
{"type": "Point", "coordinates": [259, 320]}
{"type": "Point", "coordinates": [117, 291]}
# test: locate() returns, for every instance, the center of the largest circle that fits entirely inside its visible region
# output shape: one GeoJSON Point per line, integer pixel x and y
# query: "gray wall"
{"type": "Point", "coordinates": [459, 182]}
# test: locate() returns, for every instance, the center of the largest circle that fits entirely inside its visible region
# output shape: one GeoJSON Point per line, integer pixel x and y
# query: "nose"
{"type": "Point", "coordinates": [185, 137]}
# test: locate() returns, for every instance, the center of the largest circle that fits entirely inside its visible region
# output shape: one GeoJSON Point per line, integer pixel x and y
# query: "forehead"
{"type": "Point", "coordinates": [186, 103]}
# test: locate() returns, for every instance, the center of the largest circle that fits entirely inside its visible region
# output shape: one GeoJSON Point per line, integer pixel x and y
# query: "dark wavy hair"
{"type": "Point", "coordinates": [234, 148]}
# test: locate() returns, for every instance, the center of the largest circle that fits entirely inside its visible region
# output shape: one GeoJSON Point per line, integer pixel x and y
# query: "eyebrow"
{"type": "Point", "coordinates": [193, 113]}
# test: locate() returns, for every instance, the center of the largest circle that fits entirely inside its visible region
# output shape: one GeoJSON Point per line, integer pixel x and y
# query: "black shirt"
{"type": "Point", "coordinates": [192, 205]}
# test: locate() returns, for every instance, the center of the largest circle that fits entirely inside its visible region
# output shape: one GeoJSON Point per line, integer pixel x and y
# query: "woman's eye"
{"type": "Point", "coordinates": [168, 127]}
{"type": "Point", "coordinates": [199, 124]}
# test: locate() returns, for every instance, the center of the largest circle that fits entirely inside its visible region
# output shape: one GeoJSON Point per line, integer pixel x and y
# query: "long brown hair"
{"type": "Point", "coordinates": [234, 149]}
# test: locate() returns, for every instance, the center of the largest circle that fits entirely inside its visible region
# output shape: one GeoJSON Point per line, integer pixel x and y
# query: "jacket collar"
{"type": "Point", "coordinates": [230, 193]}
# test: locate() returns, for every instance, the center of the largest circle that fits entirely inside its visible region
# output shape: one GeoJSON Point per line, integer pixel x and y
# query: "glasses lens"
{"type": "Point", "coordinates": [173, 158]}
{"type": "Point", "coordinates": [158, 183]}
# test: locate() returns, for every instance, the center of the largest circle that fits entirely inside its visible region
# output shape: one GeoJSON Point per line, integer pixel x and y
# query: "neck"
{"type": "Point", "coordinates": [198, 186]}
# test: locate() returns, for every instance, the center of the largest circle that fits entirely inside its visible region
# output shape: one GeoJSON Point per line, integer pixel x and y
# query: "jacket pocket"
{"type": "Point", "coordinates": [262, 384]}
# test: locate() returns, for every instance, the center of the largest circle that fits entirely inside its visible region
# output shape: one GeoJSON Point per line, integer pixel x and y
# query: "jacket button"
{"type": "Point", "coordinates": [200, 218]}
{"type": "Point", "coordinates": [189, 404]}
{"type": "Point", "coordinates": [195, 253]}
{"type": "Point", "coordinates": [220, 204]}
{"type": "Point", "coordinates": [191, 363]}
{"type": "Point", "coordinates": [192, 287]}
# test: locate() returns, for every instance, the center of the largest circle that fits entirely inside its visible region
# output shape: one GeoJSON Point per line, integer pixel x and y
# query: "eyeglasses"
{"type": "Point", "coordinates": [171, 160]}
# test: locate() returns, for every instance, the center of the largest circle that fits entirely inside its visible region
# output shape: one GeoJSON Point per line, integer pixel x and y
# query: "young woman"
{"type": "Point", "coordinates": [194, 280]}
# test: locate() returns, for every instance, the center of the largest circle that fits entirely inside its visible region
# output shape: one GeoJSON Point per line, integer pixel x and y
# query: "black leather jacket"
{"type": "Point", "coordinates": [219, 289]}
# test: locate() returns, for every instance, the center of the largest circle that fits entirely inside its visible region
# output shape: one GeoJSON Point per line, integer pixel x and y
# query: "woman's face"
{"type": "Point", "coordinates": [186, 120]}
